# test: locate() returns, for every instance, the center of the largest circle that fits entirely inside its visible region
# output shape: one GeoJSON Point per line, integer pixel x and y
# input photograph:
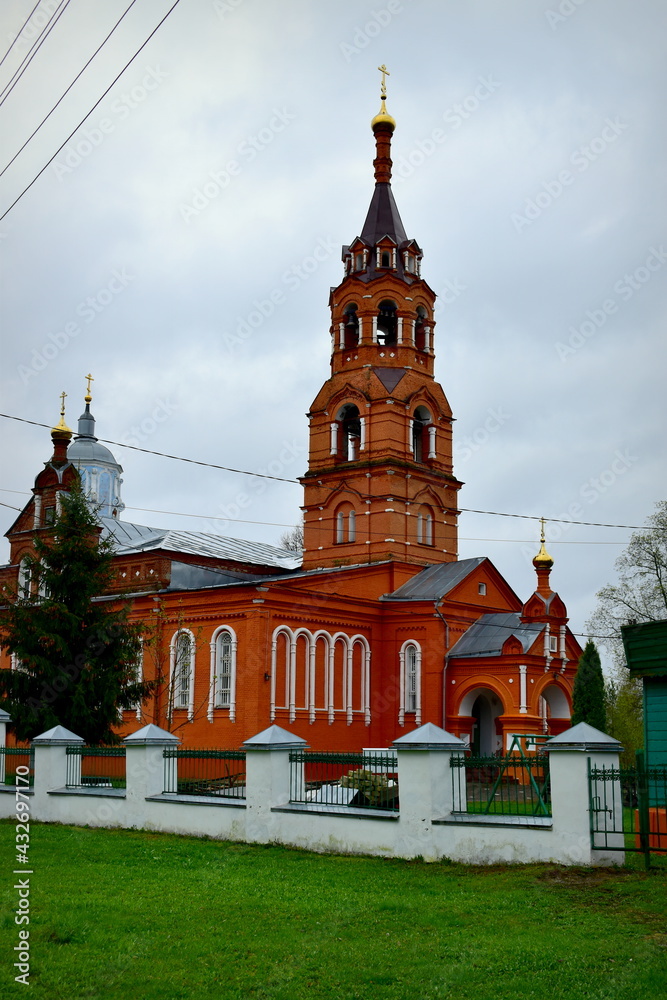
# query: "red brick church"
{"type": "Point", "coordinates": [378, 626]}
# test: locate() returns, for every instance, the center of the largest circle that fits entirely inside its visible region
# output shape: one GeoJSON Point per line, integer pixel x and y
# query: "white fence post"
{"type": "Point", "coordinates": [144, 769]}
{"type": "Point", "coordinates": [267, 780]}
{"type": "Point", "coordinates": [51, 768]}
{"type": "Point", "coordinates": [426, 787]}
{"type": "Point", "coordinates": [569, 756]}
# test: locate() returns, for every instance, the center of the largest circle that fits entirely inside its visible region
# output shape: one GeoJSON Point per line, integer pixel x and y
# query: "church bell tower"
{"type": "Point", "coordinates": [380, 483]}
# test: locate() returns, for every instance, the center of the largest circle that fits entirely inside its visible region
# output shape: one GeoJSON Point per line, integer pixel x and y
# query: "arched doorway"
{"type": "Point", "coordinates": [483, 707]}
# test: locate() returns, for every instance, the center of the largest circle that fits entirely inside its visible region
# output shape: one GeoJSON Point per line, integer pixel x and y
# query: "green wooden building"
{"type": "Point", "coordinates": [646, 653]}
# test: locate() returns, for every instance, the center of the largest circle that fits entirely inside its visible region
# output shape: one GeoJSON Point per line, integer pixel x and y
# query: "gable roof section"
{"type": "Point", "coordinates": [130, 538]}
{"type": "Point", "coordinates": [434, 582]}
{"type": "Point", "coordinates": [488, 634]}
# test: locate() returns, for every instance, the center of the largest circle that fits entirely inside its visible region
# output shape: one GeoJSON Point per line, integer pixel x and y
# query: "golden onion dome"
{"type": "Point", "coordinates": [383, 117]}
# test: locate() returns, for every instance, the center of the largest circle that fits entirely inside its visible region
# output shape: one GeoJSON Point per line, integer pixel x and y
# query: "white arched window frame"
{"type": "Point", "coordinates": [346, 525]}
{"type": "Point", "coordinates": [139, 676]}
{"type": "Point", "coordinates": [25, 578]}
{"type": "Point", "coordinates": [182, 674]}
{"type": "Point", "coordinates": [365, 679]}
{"type": "Point", "coordinates": [222, 685]}
{"type": "Point", "coordinates": [310, 680]}
{"type": "Point", "coordinates": [425, 526]}
{"type": "Point", "coordinates": [410, 657]}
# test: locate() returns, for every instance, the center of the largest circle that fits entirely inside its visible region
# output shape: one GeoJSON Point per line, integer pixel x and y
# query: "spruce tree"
{"type": "Point", "coordinates": [588, 696]}
{"type": "Point", "coordinates": [74, 657]}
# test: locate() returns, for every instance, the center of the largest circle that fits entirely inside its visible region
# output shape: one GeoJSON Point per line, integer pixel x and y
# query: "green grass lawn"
{"type": "Point", "coordinates": [120, 914]}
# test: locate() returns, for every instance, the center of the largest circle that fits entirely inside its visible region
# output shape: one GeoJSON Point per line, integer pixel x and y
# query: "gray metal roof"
{"type": "Point", "coordinates": [131, 538]}
{"type": "Point", "coordinates": [184, 576]}
{"type": "Point", "coordinates": [435, 581]}
{"type": "Point", "coordinates": [486, 636]}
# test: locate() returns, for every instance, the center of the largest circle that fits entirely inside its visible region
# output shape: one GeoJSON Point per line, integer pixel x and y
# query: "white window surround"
{"type": "Point", "coordinates": [182, 674]}
{"type": "Point", "coordinates": [139, 675]}
{"type": "Point", "coordinates": [410, 659]}
{"type": "Point", "coordinates": [25, 578]}
{"type": "Point", "coordinates": [349, 644]}
{"type": "Point", "coordinates": [222, 687]}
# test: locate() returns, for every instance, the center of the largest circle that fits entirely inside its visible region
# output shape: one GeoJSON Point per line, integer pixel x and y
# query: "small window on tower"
{"type": "Point", "coordinates": [481, 589]}
{"type": "Point", "coordinates": [359, 262]}
{"type": "Point", "coordinates": [411, 264]}
{"type": "Point", "coordinates": [385, 259]}
{"type": "Point", "coordinates": [49, 515]}
{"type": "Point", "coordinates": [553, 644]}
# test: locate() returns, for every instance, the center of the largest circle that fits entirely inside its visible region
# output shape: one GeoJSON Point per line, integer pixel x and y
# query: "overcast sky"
{"type": "Point", "coordinates": [170, 250]}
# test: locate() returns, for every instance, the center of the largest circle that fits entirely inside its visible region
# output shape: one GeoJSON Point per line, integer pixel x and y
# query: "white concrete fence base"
{"type": "Point", "coordinates": [425, 826]}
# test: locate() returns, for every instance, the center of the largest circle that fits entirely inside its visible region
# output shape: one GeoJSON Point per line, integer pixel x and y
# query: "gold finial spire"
{"type": "Point", "coordinates": [88, 398]}
{"type": "Point", "coordinates": [383, 117]}
{"type": "Point", "coordinates": [543, 558]}
{"type": "Point", "coordinates": [61, 428]}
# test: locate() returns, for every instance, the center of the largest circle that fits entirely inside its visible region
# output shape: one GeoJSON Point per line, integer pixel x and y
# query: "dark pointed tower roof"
{"type": "Point", "coordinates": [383, 218]}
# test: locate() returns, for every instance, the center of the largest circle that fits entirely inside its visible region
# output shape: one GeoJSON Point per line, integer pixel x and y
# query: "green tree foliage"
{"type": "Point", "coordinates": [641, 591]}
{"type": "Point", "coordinates": [624, 705]}
{"type": "Point", "coordinates": [74, 658]}
{"type": "Point", "coordinates": [588, 698]}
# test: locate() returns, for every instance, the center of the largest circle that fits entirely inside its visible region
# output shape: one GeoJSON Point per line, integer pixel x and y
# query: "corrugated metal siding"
{"type": "Point", "coordinates": [655, 720]}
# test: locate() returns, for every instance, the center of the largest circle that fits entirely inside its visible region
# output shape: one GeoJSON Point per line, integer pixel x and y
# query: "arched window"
{"type": "Point", "coordinates": [410, 657]}
{"type": "Point", "coordinates": [25, 578]}
{"type": "Point", "coordinates": [386, 323]}
{"type": "Point", "coordinates": [425, 526]}
{"type": "Point", "coordinates": [422, 330]}
{"type": "Point", "coordinates": [183, 671]}
{"type": "Point", "coordinates": [421, 419]}
{"type": "Point", "coordinates": [359, 262]}
{"type": "Point", "coordinates": [385, 259]}
{"type": "Point", "coordinates": [138, 678]}
{"type": "Point", "coordinates": [351, 321]}
{"type": "Point", "coordinates": [224, 664]}
{"type": "Point", "coordinates": [350, 422]}
{"type": "Point", "coordinates": [346, 524]}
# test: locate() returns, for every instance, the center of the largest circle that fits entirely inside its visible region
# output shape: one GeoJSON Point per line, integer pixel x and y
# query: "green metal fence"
{"type": "Point", "coordinates": [15, 760]}
{"type": "Point", "coordinates": [219, 773]}
{"type": "Point", "coordinates": [628, 808]}
{"type": "Point", "coordinates": [362, 780]}
{"type": "Point", "coordinates": [95, 767]}
{"type": "Point", "coordinates": [514, 785]}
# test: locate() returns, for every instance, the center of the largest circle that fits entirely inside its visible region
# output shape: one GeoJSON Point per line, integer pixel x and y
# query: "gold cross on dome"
{"type": "Point", "coordinates": [542, 539]}
{"type": "Point", "coordinates": [63, 397]}
{"type": "Point", "coordinates": [89, 379]}
{"type": "Point", "coordinates": [383, 87]}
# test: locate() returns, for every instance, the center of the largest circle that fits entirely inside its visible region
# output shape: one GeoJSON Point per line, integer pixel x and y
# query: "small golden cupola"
{"type": "Point", "coordinates": [543, 564]}
{"type": "Point", "coordinates": [61, 435]}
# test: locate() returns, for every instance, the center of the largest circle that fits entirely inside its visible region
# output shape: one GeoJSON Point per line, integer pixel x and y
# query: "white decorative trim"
{"type": "Point", "coordinates": [309, 665]}
{"type": "Point", "coordinates": [523, 707]}
{"type": "Point", "coordinates": [334, 438]}
{"type": "Point", "coordinates": [191, 681]}
{"type": "Point", "coordinates": [431, 441]}
{"type": "Point", "coordinates": [402, 711]}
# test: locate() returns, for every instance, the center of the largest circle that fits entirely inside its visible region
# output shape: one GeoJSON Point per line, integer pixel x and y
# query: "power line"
{"type": "Point", "coordinates": [18, 35]}
{"type": "Point", "coordinates": [263, 475]}
{"type": "Point", "coordinates": [36, 46]}
{"type": "Point", "coordinates": [161, 454]}
{"type": "Point", "coordinates": [87, 115]}
{"type": "Point", "coordinates": [60, 99]}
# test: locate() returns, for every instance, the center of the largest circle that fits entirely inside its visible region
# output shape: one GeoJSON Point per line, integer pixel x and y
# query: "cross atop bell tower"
{"type": "Point", "coordinates": [380, 483]}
